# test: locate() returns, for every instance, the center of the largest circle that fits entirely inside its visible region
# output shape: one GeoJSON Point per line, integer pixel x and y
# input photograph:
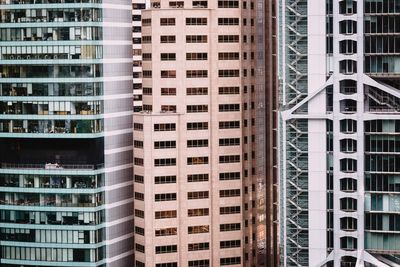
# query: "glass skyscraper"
{"type": "Point", "coordinates": [66, 190]}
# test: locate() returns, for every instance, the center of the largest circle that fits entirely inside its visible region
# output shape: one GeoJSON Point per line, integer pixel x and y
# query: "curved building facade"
{"type": "Point", "coordinates": [66, 133]}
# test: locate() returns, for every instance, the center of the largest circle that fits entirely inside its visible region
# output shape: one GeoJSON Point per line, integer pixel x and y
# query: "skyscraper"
{"type": "Point", "coordinates": [66, 194]}
{"type": "Point", "coordinates": [204, 142]}
{"type": "Point", "coordinates": [340, 133]}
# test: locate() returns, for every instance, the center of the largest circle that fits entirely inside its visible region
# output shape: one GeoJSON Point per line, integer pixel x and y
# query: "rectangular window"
{"type": "Point", "coordinates": [139, 230]}
{"type": "Point", "coordinates": [197, 143]}
{"type": "Point", "coordinates": [229, 227]}
{"type": "Point", "coordinates": [228, 56]}
{"type": "Point", "coordinates": [197, 160]}
{"type": "Point", "coordinates": [229, 244]}
{"type": "Point", "coordinates": [138, 161]}
{"type": "Point", "coordinates": [139, 179]}
{"type": "Point", "coordinates": [229, 159]}
{"type": "Point", "coordinates": [167, 179]}
{"type": "Point", "coordinates": [146, 22]}
{"type": "Point", "coordinates": [229, 193]}
{"type": "Point", "coordinates": [199, 263]}
{"type": "Point", "coordinates": [139, 247]}
{"type": "Point", "coordinates": [168, 91]}
{"type": "Point", "coordinates": [201, 177]}
{"type": "Point", "coordinates": [197, 126]}
{"type": "Point", "coordinates": [229, 176]}
{"type": "Point", "coordinates": [229, 124]}
{"type": "Point", "coordinates": [229, 142]}
{"type": "Point", "coordinates": [197, 91]}
{"type": "Point", "coordinates": [167, 21]}
{"type": "Point", "coordinates": [229, 210]}
{"type": "Point", "coordinates": [229, 90]}
{"type": "Point", "coordinates": [146, 39]}
{"type": "Point", "coordinates": [168, 74]}
{"type": "Point", "coordinates": [165, 197]}
{"type": "Point", "coordinates": [147, 91]}
{"type": "Point", "coordinates": [228, 21]}
{"type": "Point", "coordinates": [165, 214]}
{"type": "Point", "coordinates": [229, 261]}
{"type": "Point", "coordinates": [196, 74]}
{"type": "Point", "coordinates": [196, 38]}
{"type": "Point", "coordinates": [177, 4]}
{"type": "Point", "coordinates": [147, 74]}
{"type": "Point", "coordinates": [139, 213]}
{"type": "Point", "coordinates": [139, 196]}
{"type": "Point", "coordinates": [196, 108]}
{"type": "Point", "coordinates": [166, 249]}
{"type": "Point", "coordinates": [197, 195]}
{"type": "Point", "coordinates": [162, 127]}
{"type": "Point", "coordinates": [198, 229]}
{"type": "Point", "coordinates": [168, 108]}
{"type": "Point", "coordinates": [228, 73]}
{"type": "Point", "coordinates": [198, 212]}
{"type": "Point", "coordinates": [198, 246]}
{"type": "Point", "coordinates": [167, 56]}
{"type": "Point", "coordinates": [167, 39]}
{"type": "Point", "coordinates": [138, 126]}
{"type": "Point", "coordinates": [228, 4]}
{"type": "Point", "coordinates": [228, 38]}
{"type": "Point", "coordinates": [138, 144]}
{"type": "Point", "coordinates": [200, 4]}
{"type": "Point", "coordinates": [196, 21]}
{"type": "Point", "coordinates": [165, 162]}
{"type": "Point", "coordinates": [167, 264]}
{"type": "Point", "coordinates": [196, 56]}
{"type": "Point", "coordinates": [164, 144]}
{"type": "Point", "coordinates": [229, 107]}
{"type": "Point", "coordinates": [166, 231]}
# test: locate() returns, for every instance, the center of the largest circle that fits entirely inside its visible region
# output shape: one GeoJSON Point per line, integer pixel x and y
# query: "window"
{"type": "Point", "coordinates": [176, 4]}
{"type": "Point", "coordinates": [199, 263]}
{"type": "Point", "coordinates": [196, 108]}
{"type": "Point", "coordinates": [229, 124]}
{"type": "Point", "coordinates": [138, 161]}
{"type": "Point", "coordinates": [228, 4]}
{"type": "Point", "coordinates": [167, 21]}
{"type": "Point", "coordinates": [139, 196]}
{"type": "Point", "coordinates": [168, 74]}
{"type": "Point", "coordinates": [147, 91]}
{"type": "Point", "coordinates": [167, 39]}
{"type": "Point", "coordinates": [139, 247]}
{"type": "Point", "coordinates": [166, 249]}
{"type": "Point", "coordinates": [164, 127]}
{"type": "Point", "coordinates": [139, 230]}
{"type": "Point", "coordinates": [197, 195]}
{"type": "Point", "coordinates": [167, 179]}
{"type": "Point", "coordinates": [229, 193]}
{"type": "Point", "coordinates": [229, 176]}
{"type": "Point", "coordinates": [147, 74]}
{"type": "Point", "coordinates": [166, 231]}
{"type": "Point", "coordinates": [196, 38]}
{"type": "Point", "coordinates": [146, 56]}
{"type": "Point", "coordinates": [229, 142]}
{"type": "Point", "coordinates": [167, 264]}
{"type": "Point", "coordinates": [347, 27]}
{"type": "Point", "coordinates": [139, 264]}
{"type": "Point", "coordinates": [229, 227]}
{"type": "Point", "coordinates": [348, 165]}
{"type": "Point", "coordinates": [196, 21]}
{"type": "Point", "coordinates": [168, 91]}
{"type": "Point", "coordinates": [348, 126]}
{"type": "Point", "coordinates": [196, 74]}
{"type": "Point", "coordinates": [146, 22]}
{"type": "Point", "coordinates": [138, 144]}
{"type": "Point", "coordinates": [228, 73]}
{"type": "Point", "coordinates": [197, 91]}
{"type": "Point", "coordinates": [229, 159]}
{"type": "Point", "coordinates": [196, 56]}
{"type": "Point", "coordinates": [197, 126]}
{"type": "Point", "coordinates": [229, 210]}
{"type": "Point", "coordinates": [139, 179]}
{"type": "Point", "coordinates": [197, 160]}
{"type": "Point", "coordinates": [230, 261]}
{"type": "Point", "coordinates": [165, 197]}
{"type": "Point", "coordinates": [229, 244]}
{"type": "Point", "coordinates": [168, 56]}
{"type": "Point", "coordinates": [139, 213]}
{"type": "Point", "coordinates": [198, 246]}
{"type": "Point", "coordinates": [348, 204]}
{"type": "Point", "coordinates": [138, 126]}
{"type": "Point", "coordinates": [164, 144]}
{"type": "Point", "coordinates": [228, 38]}
{"type": "Point", "coordinates": [348, 145]}
{"type": "Point", "coordinates": [349, 223]}
{"type": "Point", "coordinates": [166, 214]}
{"type": "Point", "coordinates": [198, 229]}
{"type": "Point", "coordinates": [146, 39]}
{"type": "Point", "coordinates": [229, 107]}
{"type": "Point", "coordinates": [165, 162]}
{"type": "Point", "coordinates": [229, 90]}
{"type": "Point", "coordinates": [228, 21]}
{"type": "Point", "coordinates": [228, 56]}
{"type": "Point", "coordinates": [202, 177]}
{"type": "Point", "coordinates": [198, 212]}
{"type": "Point", "coordinates": [197, 143]}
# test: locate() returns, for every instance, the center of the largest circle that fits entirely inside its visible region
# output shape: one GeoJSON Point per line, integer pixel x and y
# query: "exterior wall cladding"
{"type": "Point", "coordinates": [66, 189]}
{"type": "Point", "coordinates": [340, 133]}
{"type": "Point", "coordinates": [205, 163]}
